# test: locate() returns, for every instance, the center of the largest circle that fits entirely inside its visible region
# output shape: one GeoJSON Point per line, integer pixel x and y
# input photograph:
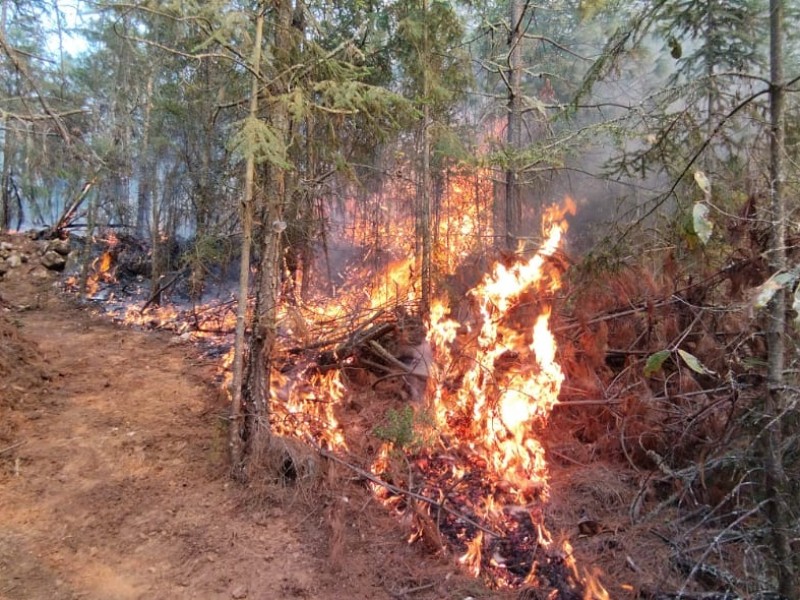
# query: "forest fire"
{"type": "Point", "coordinates": [495, 380]}
{"type": "Point", "coordinates": [498, 381]}
{"type": "Point", "coordinates": [337, 211]}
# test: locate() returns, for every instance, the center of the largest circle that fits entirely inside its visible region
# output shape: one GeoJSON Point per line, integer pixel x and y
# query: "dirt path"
{"type": "Point", "coordinates": [115, 484]}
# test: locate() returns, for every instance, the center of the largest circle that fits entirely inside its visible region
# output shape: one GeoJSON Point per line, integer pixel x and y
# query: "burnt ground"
{"type": "Point", "coordinates": [115, 484]}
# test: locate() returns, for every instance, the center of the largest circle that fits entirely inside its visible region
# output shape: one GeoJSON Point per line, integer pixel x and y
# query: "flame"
{"type": "Point", "coordinates": [303, 406]}
{"type": "Point", "coordinates": [462, 227]}
{"type": "Point", "coordinates": [511, 380]}
{"type": "Point", "coordinates": [101, 272]}
{"type": "Point", "coordinates": [471, 559]}
{"type": "Point", "coordinates": [593, 589]}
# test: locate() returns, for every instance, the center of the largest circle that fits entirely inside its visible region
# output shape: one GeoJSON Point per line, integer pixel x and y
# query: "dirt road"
{"type": "Point", "coordinates": [113, 482]}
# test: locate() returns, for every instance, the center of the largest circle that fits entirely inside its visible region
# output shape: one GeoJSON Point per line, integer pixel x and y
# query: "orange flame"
{"type": "Point", "coordinates": [101, 272]}
{"type": "Point", "coordinates": [471, 559]}
{"type": "Point", "coordinates": [512, 379]}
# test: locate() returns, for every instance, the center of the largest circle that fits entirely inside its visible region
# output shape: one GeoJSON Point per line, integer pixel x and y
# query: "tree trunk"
{"type": "Point", "coordinates": [157, 258]}
{"type": "Point", "coordinates": [425, 183]}
{"type": "Point", "coordinates": [776, 482]}
{"type": "Point", "coordinates": [262, 340]}
{"type": "Point", "coordinates": [5, 179]}
{"type": "Point", "coordinates": [5, 182]}
{"type": "Point", "coordinates": [145, 176]}
{"type": "Point", "coordinates": [86, 253]}
{"type": "Point", "coordinates": [514, 128]}
{"type": "Point", "coordinates": [204, 190]}
{"type": "Point", "coordinates": [235, 433]}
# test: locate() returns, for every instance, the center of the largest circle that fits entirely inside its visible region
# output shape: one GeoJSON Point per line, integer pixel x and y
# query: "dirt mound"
{"type": "Point", "coordinates": [22, 373]}
{"type": "Point", "coordinates": [22, 367]}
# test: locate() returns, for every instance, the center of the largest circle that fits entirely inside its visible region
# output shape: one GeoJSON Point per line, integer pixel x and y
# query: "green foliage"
{"type": "Point", "coordinates": [210, 249]}
{"type": "Point", "coordinates": [356, 97]}
{"type": "Point", "coordinates": [406, 430]}
{"type": "Point", "coordinates": [694, 363]}
{"type": "Point", "coordinates": [655, 362]}
{"type": "Point", "coordinates": [427, 43]}
{"type": "Point", "coordinates": [628, 35]}
{"type": "Point", "coordinates": [725, 35]}
{"type": "Point", "coordinates": [260, 140]}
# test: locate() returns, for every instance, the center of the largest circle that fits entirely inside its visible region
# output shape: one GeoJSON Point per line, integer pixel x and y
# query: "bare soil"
{"type": "Point", "coordinates": [115, 484]}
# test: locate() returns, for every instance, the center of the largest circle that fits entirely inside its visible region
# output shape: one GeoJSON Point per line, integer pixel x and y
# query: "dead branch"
{"type": "Point", "coordinates": [71, 210]}
{"type": "Point", "coordinates": [351, 339]}
{"type": "Point", "coordinates": [681, 596]}
{"type": "Point", "coordinates": [403, 594]}
{"type": "Point", "coordinates": [390, 373]}
{"type": "Point", "coordinates": [708, 575]}
{"type": "Point", "coordinates": [162, 287]}
{"type": "Point", "coordinates": [361, 337]}
{"type": "Point", "coordinates": [387, 356]}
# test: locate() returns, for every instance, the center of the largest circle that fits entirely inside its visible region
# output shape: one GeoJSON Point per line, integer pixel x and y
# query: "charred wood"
{"type": "Point", "coordinates": [163, 286]}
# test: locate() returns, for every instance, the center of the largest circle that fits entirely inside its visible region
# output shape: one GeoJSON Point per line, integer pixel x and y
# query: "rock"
{"type": "Point", "coordinates": [239, 592]}
{"type": "Point", "coordinates": [6, 246]}
{"type": "Point", "coordinates": [181, 339]}
{"type": "Point", "coordinates": [59, 246]}
{"type": "Point", "coordinates": [39, 272]}
{"type": "Point", "coordinates": [14, 261]}
{"type": "Point", "coordinates": [54, 261]}
{"type": "Point", "coordinates": [3, 267]}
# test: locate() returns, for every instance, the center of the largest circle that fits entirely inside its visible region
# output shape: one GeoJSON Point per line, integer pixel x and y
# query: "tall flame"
{"type": "Point", "coordinates": [511, 380]}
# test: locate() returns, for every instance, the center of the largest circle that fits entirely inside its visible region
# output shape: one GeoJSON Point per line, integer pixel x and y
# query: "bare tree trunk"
{"type": "Point", "coordinates": [514, 128]}
{"type": "Point", "coordinates": [157, 258]}
{"type": "Point", "coordinates": [5, 181]}
{"type": "Point", "coordinates": [262, 339]}
{"type": "Point", "coordinates": [235, 434]}
{"type": "Point", "coordinates": [775, 405]}
{"type": "Point", "coordinates": [204, 190]}
{"type": "Point", "coordinates": [86, 253]}
{"type": "Point", "coordinates": [425, 183]}
{"type": "Point", "coordinates": [144, 189]}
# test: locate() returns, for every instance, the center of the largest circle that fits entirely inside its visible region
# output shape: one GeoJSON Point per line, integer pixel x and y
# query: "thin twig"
{"type": "Point", "coordinates": [420, 588]}
{"type": "Point", "coordinates": [12, 446]}
{"type": "Point", "coordinates": [617, 314]}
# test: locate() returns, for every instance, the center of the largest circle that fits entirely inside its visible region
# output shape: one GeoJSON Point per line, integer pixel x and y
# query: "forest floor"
{"type": "Point", "coordinates": [115, 483]}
